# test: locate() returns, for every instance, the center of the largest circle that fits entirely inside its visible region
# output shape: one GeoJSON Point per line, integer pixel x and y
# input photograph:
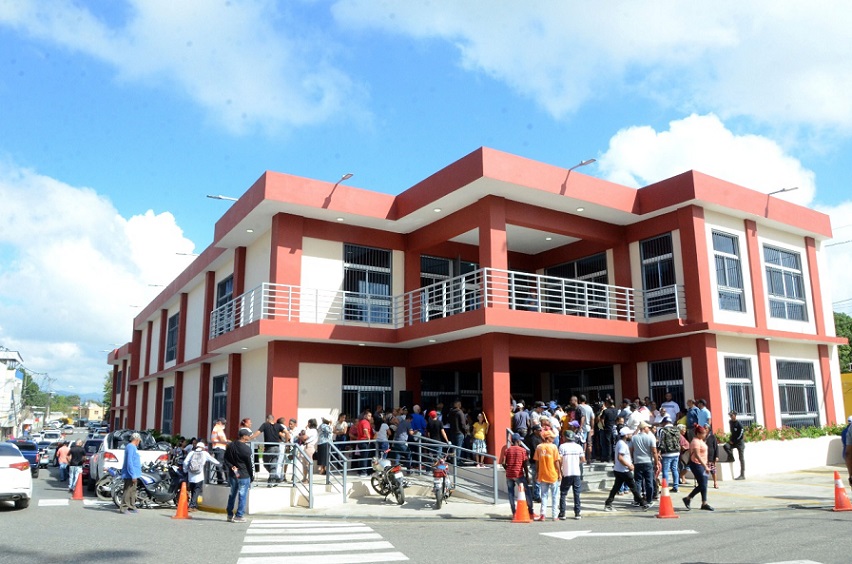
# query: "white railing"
{"type": "Point", "coordinates": [487, 287]}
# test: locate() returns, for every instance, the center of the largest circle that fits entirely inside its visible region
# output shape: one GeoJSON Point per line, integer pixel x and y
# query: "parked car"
{"type": "Point", "coordinates": [91, 447]}
{"type": "Point", "coordinates": [68, 427]}
{"type": "Point", "coordinates": [111, 452]}
{"type": "Point", "coordinates": [30, 451]}
{"type": "Point", "coordinates": [44, 453]}
{"type": "Point", "coordinates": [51, 436]}
{"type": "Point", "coordinates": [16, 484]}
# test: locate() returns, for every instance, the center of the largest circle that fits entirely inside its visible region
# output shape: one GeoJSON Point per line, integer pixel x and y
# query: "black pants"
{"type": "Point", "coordinates": [195, 489]}
{"type": "Point", "coordinates": [620, 479]}
{"type": "Point", "coordinates": [270, 458]}
{"type": "Point", "coordinates": [606, 436]}
{"type": "Point", "coordinates": [217, 473]}
{"type": "Point", "coordinates": [740, 446]}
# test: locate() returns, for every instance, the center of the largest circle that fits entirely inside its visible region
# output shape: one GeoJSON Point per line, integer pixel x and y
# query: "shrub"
{"type": "Point", "coordinates": [756, 433]}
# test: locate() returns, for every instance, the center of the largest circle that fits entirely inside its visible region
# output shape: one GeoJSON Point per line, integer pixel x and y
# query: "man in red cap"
{"type": "Point", "coordinates": [435, 430]}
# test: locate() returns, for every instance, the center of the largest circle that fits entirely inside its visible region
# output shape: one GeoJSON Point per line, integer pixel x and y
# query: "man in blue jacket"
{"type": "Point", "coordinates": [131, 471]}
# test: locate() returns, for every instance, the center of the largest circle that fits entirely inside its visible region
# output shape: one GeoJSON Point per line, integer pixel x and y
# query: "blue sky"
{"type": "Point", "coordinates": [117, 118]}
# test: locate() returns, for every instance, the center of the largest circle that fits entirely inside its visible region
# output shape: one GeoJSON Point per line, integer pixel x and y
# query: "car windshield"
{"type": "Point", "coordinates": [7, 449]}
{"type": "Point", "coordinates": [119, 439]}
{"type": "Point", "coordinates": [22, 446]}
{"type": "Point", "coordinates": [92, 447]}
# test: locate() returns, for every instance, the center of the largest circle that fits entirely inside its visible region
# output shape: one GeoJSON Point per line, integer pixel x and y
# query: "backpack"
{"type": "Point", "coordinates": [669, 440]}
{"type": "Point", "coordinates": [194, 464]}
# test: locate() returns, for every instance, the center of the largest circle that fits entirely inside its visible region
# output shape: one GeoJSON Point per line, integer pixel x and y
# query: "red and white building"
{"type": "Point", "coordinates": [495, 276]}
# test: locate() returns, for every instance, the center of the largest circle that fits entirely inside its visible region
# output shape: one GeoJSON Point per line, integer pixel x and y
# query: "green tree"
{"type": "Point", "coordinates": [107, 393]}
{"type": "Point", "coordinates": [31, 393]}
{"type": "Point", "coordinates": [843, 328]}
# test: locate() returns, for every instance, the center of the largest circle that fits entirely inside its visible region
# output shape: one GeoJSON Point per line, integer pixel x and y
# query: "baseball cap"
{"type": "Point", "coordinates": [517, 437]}
{"type": "Point", "coordinates": [850, 419]}
{"type": "Point", "coordinates": [245, 432]}
{"type": "Point", "coordinates": [734, 412]}
{"type": "Point", "coordinates": [569, 435]}
{"type": "Point", "coordinates": [625, 431]}
{"type": "Point", "coordinates": [625, 400]}
{"type": "Point", "coordinates": [574, 424]}
{"type": "Point", "coordinates": [433, 413]}
{"type": "Point", "coordinates": [643, 425]}
{"type": "Point", "coordinates": [536, 427]}
{"type": "Point", "coordinates": [667, 419]}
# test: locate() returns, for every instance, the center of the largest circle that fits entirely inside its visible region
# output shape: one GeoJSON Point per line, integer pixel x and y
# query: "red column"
{"type": "Point", "coordinates": [767, 388]}
{"type": "Point", "coordinates": [705, 375]}
{"type": "Point", "coordinates": [816, 288]}
{"type": "Point", "coordinates": [148, 340]}
{"type": "Point", "coordinates": [209, 301]}
{"type": "Point", "coordinates": [113, 401]}
{"type": "Point", "coordinates": [827, 387]}
{"type": "Point", "coordinates": [181, 344]}
{"type": "Point", "coordinates": [496, 394]}
{"type": "Point", "coordinates": [412, 383]}
{"type": "Point", "coordinates": [757, 289]}
{"type": "Point", "coordinates": [629, 382]}
{"type": "Point", "coordinates": [621, 265]}
{"type": "Point", "coordinates": [130, 420]}
{"type": "Point", "coordinates": [204, 401]}
{"type": "Point", "coordinates": [696, 265]}
{"type": "Point", "coordinates": [239, 273]}
{"type": "Point", "coordinates": [161, 348]}
{"type": "Point", "coordinates": [285, 261]}
{"type": "Point", "coordinates": [282, 379]}
{"type": "Point", "coordinates": [178, 404]}
{"type": "Point", "coordinates": [158, 405]}
{"type": "Point", "coordinates": [494, 248]}
{"type": "Point", "coordinates": [235, 372]}
{"type": "Point", "coordinates": [144, 423]}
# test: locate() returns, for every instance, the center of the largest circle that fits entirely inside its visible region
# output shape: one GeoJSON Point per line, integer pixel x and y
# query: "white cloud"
{"type": "Point", "coordinates": [70, 268]}
{"type": "Point", "coordinates": [229, 57]}
{"type": "Point", "coordinates": [779, 63]}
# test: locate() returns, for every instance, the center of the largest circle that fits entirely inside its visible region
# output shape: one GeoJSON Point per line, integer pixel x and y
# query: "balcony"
{"type": "Point", "coordinates": [484, 288]}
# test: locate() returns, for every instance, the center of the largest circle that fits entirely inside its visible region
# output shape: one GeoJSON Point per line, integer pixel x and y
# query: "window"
{"type": "Point", "coordinates": [172, 337]}
{"type": "Point", "coordinates": [797, 394]}
{"type": "Point", "coordinates": [168, 409]}
{"type": "Point", "coordinates": [118, 388]}
{"type": "Point", "coordinates": [595, 383]}
{"type": "Point", "coordinates": [225, 306]}
{"type": "Point", "coordinates": [658, 275]}
{"type": "Point", "coordinates": [740, 388]}
{"type": "Point", "coordinates": [581, 298]}
{"type": "Point", "coordinates": [666, 377]}
{"type": "Point", "coordinates": [220, 397]}
{"type": "Point", "coordinates": [444, 386]}
{"type": "Point", "coordinates": [785, 284]}
{"type": "Point", "coordinates": [367, 283]}
{"type": "Point", "coordinates": [729, 277]}
{"type": "Point", "coordinates": [365, 387]}
{"type": "Point", "coordinates": [443, 292]}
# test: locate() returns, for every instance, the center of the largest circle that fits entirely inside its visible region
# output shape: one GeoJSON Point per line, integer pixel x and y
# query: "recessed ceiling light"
{"type": "Point", "coordinates": [433, 340]}
{"type": "Point", "coordinates": [548, 238]}
{"type": "Point", "coordinates": [249, 230]}
{"type": "Point", "coordinates": [244, 348]}
{"type": "Point", "coordinates": [437, 210]}
{"type": "Point", "coordinates": [362, 344]}
{"type": "Point", "coordinates": [339, 219]}
{"type": "Point", "coordinates": [581, 209]}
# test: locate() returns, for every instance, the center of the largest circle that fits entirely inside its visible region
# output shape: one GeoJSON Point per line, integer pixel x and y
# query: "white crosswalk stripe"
{"type": "Point", "coordinates": [52, 502]}
{"type": "Point", "coordinates": [314, 542]}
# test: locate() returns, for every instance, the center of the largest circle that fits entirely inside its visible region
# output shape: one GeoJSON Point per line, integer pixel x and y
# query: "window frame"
{"type": "Point", "coordinates": [168, 410]}
{"type": "Point", "coordinates": [172, 328]}
{"type": "Point", "coordinates": [739, 380]}
{"type": "Point", "coordinates": [367, 306]}
{"type": "Point", "coordinates": [660, 299]}
{"type": "Point", "coordinates": [731, 267]}
{"type": "Point", "coordinates": [219, 397]}
{"type": "Point", "coordinates": [792, 282]}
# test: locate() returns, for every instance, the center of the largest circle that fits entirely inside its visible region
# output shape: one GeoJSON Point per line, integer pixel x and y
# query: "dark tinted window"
{"type": "Point", "coordinates": [7, 449]}
{"type": "Point", "coordinates": [26, 446]}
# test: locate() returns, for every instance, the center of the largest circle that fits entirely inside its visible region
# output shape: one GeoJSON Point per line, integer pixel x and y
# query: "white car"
{"type": "Point", "coordinates": [16, 479]}
{"type": "Point", "coordinates": [51, 436]}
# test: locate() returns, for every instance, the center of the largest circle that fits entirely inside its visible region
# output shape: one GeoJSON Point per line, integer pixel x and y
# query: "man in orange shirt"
{"type": "Point", "coordinates": [549, 473]}
{"type": "Point", "coordinates": [62, 456]}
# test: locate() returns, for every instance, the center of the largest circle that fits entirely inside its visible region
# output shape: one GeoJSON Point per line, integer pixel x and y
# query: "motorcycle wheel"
{"type": "Point", "coordinates": [117, 494]}
{"type": "Point", "coordinates": [400, 495]}
{"type": "Point", "coordinates": [381, 488]}
{"type": "Point", "coordinates": [103, 488]}
{"type": "Point", "coordinates": [439, 495]}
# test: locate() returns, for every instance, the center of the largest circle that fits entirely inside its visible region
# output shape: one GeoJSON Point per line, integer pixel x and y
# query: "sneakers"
{"type": "Point", "coordinates": [541, 518]}
{"type": "Point", "coordinates": [577, 517]}
{"type": "Point", "coordinates": [686, 502]}
{"type": "Point", "coordinates": [608, 508]}
{"type": "Point", "coordinates": [230, 518]}
{"type": "Point", "coordinates": [707, 507]}
{"type": "Point", "coordinates": [238, 520]}
{"type": "Point", "coordinates": [558, 519]}
{"type": "Point", "coordinates": [637, 504]}
{"type": "Point", "coordinates": [561, 517]}
{"type": "Point", "coordinates": [673, 490]}
{"type": "Point", "coordinates": [740, 477]}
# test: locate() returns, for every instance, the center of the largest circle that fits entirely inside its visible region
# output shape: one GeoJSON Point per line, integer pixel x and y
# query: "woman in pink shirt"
{"type": "Point", "coordinates": [699, 467]}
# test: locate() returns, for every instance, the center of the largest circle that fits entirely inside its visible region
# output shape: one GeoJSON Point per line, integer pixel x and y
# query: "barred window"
{"type": "Point", "coordinates": [367, 283]}
{"type": "Point", "coordinates": [728, 271]}
{"type": "Point", "coordinates": [740, 388]}
{"type": "Point", "coordinates": [797, 393]}
{"type": "Point", "coordinates": [666, 377]}
{"type": "Point", "coordinates": [365, 387]}
{"type": "Point", "coordinates": [220, 397]}
{"type": "Point", "coordinates": [658, 275]}
{"type": "Point", "coordinates": [172, 337]}
{"type": "Point", "coordinates": [168, 410]}
{"type": "Point", "coordinates": [785, 284]}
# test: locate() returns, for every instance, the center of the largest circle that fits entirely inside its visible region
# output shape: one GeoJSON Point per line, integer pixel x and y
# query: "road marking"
{"type": "Point", "coordinates": [52, 502]}
{"type": "Point", "coordinates": [569, 535]}
{"type": "Point", "coordinates": [281, 541]}
{"type": "Point", "coordinates": [97, 502]}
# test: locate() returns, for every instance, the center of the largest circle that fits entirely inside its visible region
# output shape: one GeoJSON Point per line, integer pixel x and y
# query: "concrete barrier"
{"type": "Point", "coordinates": [777, 457]}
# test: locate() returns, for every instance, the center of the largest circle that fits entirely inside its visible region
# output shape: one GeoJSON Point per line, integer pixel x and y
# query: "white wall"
{"type": "Point", "coordinates": [789, 242]}
{"type": "Point", "coordinates": [257, 262]}
{"type": "Point", "coordinates": [190, 407]}
{"type": "Point", "coordinates": [253, 386]}
{"type": "Point", "coordinates": [320, 388]}
{"type": "Point", "coordinates": [154, 353]}
{"type": "Point", "coordinates": [322, 269]}
{"type": "Point", "coordinates": [731, 226]}
{"type": "Point", "coordinates": [194, 321]}
{"type": "Point", "coordinates": [399, 383]}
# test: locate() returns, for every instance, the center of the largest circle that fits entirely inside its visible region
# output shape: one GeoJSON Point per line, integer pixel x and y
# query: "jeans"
{"type": "Point", "coordinates": [740, 446]}
{"type": "Point", "coordinates": [701, 477]}
{"type": "Point", "coordinates": [401, 453]}
{"type": "Point", "coordinates": [644, 472]}
{"type": "Point", "coordinates": [511, 483]}
{"type": "Point", "coordinates": [569, 482]}
{"type": "Point", "coordinates": [270, 457]}
{"type": "Point", "coordinates": [239, 487]}
{"type": "Point", "coordinates": [73, 475]}
{"type": "Point", "coordinates": [607, 444]}
{"type": "Point", "coordinates": [217, 472]}
{"type": "Point", "coordinates": [63, 471]}
{"type": "Point", "coordinates": [670, 464]}
{"type": "Point", "coordinates": [620, 479]}
{"type": "Point", "coordinates": [536, 487]}
{"type": "Point", "coordinates": [195, 490]}
{"type": "Point", "coordinates": [381, 448]}
{"type": "Point", "coordinates": [550, 490]}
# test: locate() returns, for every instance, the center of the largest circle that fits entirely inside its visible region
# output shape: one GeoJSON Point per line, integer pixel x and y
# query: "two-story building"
{"type": "Point", "coordinates": [496, 277]}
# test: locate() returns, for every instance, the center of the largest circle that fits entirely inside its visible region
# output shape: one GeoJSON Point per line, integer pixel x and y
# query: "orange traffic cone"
{"type": "Point", "coordinates": [183, 504]}
{"type": "Point", "coordinates": [522, 511]}
{"type": "Point", "coordinates": [841, 500]}
{"type": "Point", "coordinates": [666, 509]}
{"type": "Point", "coordinates": [78, 488]}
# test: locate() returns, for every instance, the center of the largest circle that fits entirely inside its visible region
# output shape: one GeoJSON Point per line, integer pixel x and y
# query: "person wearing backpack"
{"type": "Point", "coordinates": [669, 446]}
{"type": "Point", "coordinates": [194, 465]}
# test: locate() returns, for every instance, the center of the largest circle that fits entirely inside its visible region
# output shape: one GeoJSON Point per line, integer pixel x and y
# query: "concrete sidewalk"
{"type": "Point", "coordinates": [805, 489]}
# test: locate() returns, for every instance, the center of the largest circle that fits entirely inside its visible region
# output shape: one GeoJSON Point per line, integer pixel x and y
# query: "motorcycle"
{"type": "Point", "coordinates": [442, 482]}
{"type": "Point", "coordinates": [104, 486]}
{"type": "Point", "coordinates": [388, 479]}
{"type": "Point", "coordinates": [159, 485]}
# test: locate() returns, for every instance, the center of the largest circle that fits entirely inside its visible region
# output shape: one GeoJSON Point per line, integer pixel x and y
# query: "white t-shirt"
{"type": "Point", "coordinates": [571, 453]}
{"type": "Point", "coordinates": [589, 415]}
{"type": "Point", "coordinates": [382, 433]}
{"type": "Point", "coordinates": [634, 420]}
{"type": "Point", "coordinates": [622, 448]}
{"type": "Point", "coordinates": [311, 437]}
{"type": "Point", "coordinates": [672, 408]}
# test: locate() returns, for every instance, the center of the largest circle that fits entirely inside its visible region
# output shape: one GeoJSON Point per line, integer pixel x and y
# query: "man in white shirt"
{"type": "Point", "coordinates": [623, 470]}
{"type": "Point", "coordinates": [671, 406]}
{"type": "Point", "coordinates": [634, 419]}
{"type": "Point", "coordinates": [572, 458]}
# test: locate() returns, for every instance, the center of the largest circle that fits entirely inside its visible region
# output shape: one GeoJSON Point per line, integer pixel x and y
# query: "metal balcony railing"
{"type": "Point", "coordinates": [487, 287]}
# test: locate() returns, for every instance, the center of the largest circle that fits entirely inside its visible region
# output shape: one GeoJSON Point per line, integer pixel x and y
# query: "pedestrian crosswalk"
{"type": "Point", "coordinates": [64, 502]}
{"type": "Point", "coordinates": [284, 541]}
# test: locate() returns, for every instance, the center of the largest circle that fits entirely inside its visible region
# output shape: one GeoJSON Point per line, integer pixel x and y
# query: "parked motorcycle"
{"type": "Point", "coordinates": [388, 479]}
{"type": "Point", "coordinates": [159, 485]}
{"type": "Point", "coordinates": [442, 482]}
{"type": "Point", "coordinates": [104, 486]}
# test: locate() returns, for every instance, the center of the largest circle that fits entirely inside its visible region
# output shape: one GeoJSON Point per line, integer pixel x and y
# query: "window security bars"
{"type": "Point", "coordinates": [168, 410]}
{"type": "Point", "coordinates": [729, 277]}
{"type": "Point", "coordinates": [740, 388]}
{"type": "Point", "coordinates": [666, 376]}
{"type": "Point", "coordinates": [658, 275]}
{"type": "Point", "coordinates": [172, 337]}
{"type": "Point", "coordinates": [785, 284]}
{"type": "Point", "coordinates": [220, 397]}
{"type": "Point", "coordinates": [797, 393]}
{"type": "Point", "coordinates": [365, 387]}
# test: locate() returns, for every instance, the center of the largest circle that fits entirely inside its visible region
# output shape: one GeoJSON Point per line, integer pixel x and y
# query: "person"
{"type": "Point", "coordinates": [218, 442]}
{"type": "Point", "coordinates": [290, 436]}
{"type": "Point", "coordinates": [480, 432]}
{"type": "Point", "coordinates": [549, 473]}
{"type": "Point", "coordinates": [271, 442]}
{"type": "Point", "coordinates": [363, 449]}
{"type": "Point", "coordinates": [635, 417]}
{"type": "Point", "coordinates": [623, 470]}
{"type": "Point", "coordinates": [178, 453]}
{"type": "Point", "coordinates": [401, 436]}
{"type": "Point", "coordinates": [670, 405]}
{"type": "Point", "coordinates": [76, 455]}
{"type": "Point", "coordinates": [646, 461]}
{"type": "Point", "coordinates": [341, 429]}
{"type": "Point", "coordinates": [520, 420]}
{"type": "Point", "coordinates": [532, 441]}
{"type": "Point", "coordinates": [847, 452]}
{"type": "Point", "coordinates": [131, 470]}
{"type": "Point", "coordinates": [608, 433]}
{"type": "Point", "coordinates": [459, 429]}
{"type": "Point", "coordinates": [310, 437]}
{"type": "Point", "coordinates": [668, 443]}
{"type": "Point", "coordinates": [691, 418]}
{"type": "Point", "coordinates": [515, 461]}
{"type": "Point", "coordinates": [704, 417]}
{"type": "Point", "coordinates": [712, 454]}
{"type": "Point", "coordinates": [435, 431]}
{"type": "Point", "coordinates": [62, 457]}
{"type": "Point", "coordinates": [572, 458]}
{"type": "Point", "coordinates": [238, 457]}
{"type": "Point", "coordinates": [382, 439]}
{"type": "Point", "coordinates": [587, 425]}
{"type": "Point", "coordinates": [699, 467]}
{"type": "Point", "coordinates": [194, 464]}
{"type": "Point", "coordinates": [683, 459]}
{"type": "Point", "coordinates": [324, 435]}
{"type": "Point", "coordinates": [737, 441]}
